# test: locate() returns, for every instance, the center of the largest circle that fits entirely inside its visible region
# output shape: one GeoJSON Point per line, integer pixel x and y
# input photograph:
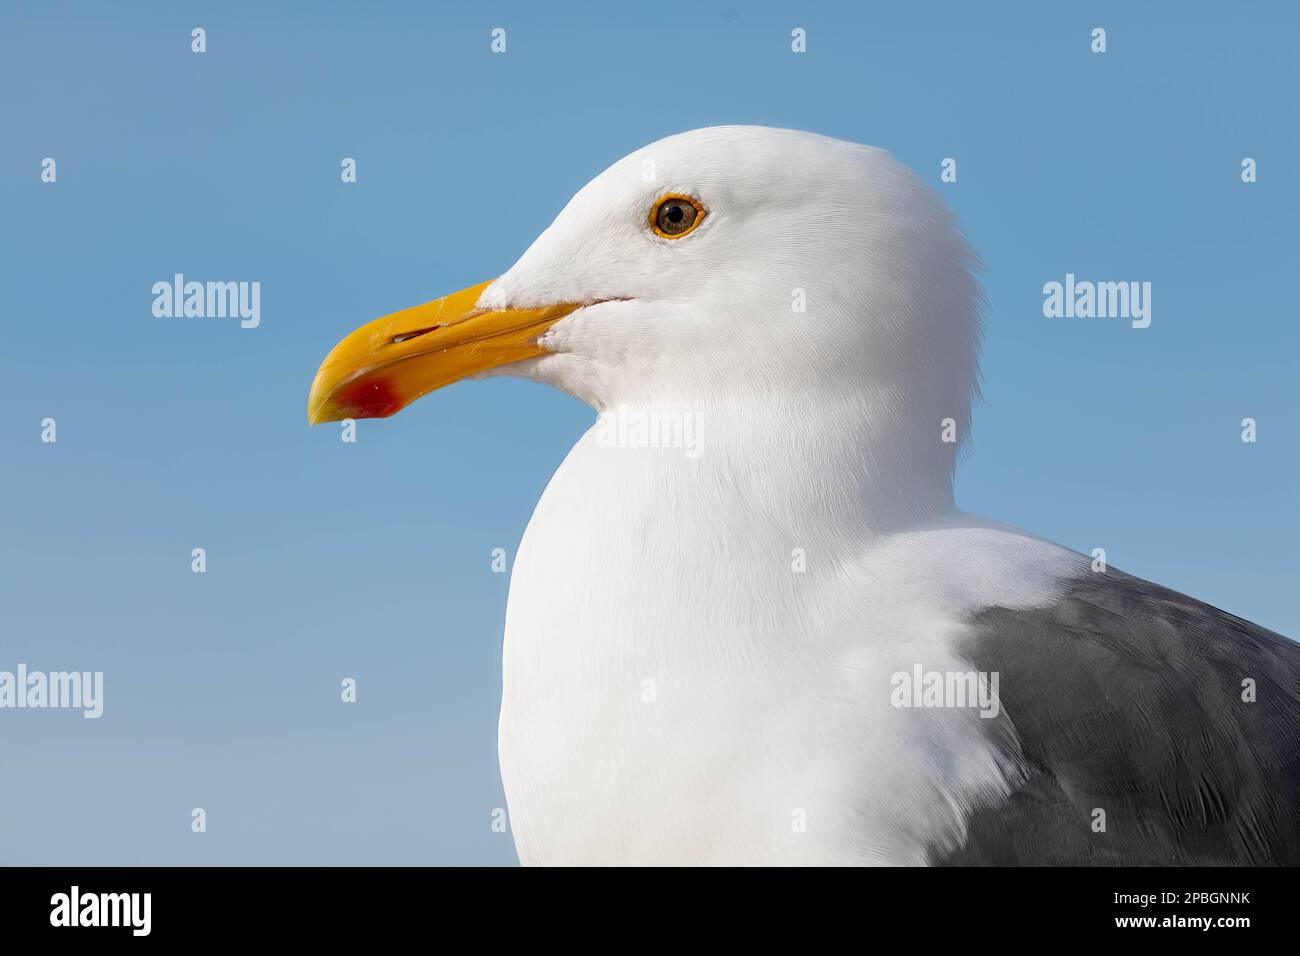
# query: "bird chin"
{"type": "Point", "coordinates": [521, 369]}
{"type": "Point", "coordinates": [576, 376]}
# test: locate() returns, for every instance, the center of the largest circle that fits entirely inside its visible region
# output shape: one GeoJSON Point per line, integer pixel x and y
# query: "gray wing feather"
{"type": "Point", "coordinates": [1128, 697]}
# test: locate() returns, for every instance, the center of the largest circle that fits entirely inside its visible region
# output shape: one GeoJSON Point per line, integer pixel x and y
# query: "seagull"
{"type": "Point", "coordinates": [747, 624]}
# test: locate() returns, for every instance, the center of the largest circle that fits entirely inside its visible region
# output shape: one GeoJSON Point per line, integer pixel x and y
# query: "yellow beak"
{"type": "Point", "coordinates": [384, 366]}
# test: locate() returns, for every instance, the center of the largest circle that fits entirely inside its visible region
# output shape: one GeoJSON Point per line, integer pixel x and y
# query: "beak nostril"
{"type": "Point", "coordinates": [407, 336]}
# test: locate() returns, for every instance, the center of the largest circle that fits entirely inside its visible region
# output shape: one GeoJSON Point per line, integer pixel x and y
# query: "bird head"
{"type": "Point", "coordinates": [717, 265]}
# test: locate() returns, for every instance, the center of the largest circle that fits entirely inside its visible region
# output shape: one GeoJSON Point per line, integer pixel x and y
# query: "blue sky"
{"type": "Point", "coordinates": [372, 560]}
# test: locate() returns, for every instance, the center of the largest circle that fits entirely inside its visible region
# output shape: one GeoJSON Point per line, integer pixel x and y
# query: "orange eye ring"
{"type": "Point", "coordinates": [675, 215]}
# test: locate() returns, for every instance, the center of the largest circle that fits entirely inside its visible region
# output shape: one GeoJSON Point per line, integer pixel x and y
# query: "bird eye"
{"type": "Point", "coordinates": [674, 216]}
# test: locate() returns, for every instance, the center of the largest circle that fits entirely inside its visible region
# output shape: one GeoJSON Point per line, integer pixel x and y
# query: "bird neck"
{"type": "Point", "coordinates": [850, 466]}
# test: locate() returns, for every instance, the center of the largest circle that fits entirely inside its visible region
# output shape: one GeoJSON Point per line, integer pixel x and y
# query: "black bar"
{"type": "Point", "coordinates": [206, 905]}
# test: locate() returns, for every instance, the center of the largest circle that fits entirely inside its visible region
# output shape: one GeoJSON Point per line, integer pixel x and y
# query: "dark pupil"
{"type": "Point", "coordinates": [676, 216]}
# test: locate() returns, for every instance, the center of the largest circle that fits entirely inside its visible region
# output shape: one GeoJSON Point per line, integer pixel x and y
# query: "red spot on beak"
{"type": "Point", "coordinates": [369, 398]}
